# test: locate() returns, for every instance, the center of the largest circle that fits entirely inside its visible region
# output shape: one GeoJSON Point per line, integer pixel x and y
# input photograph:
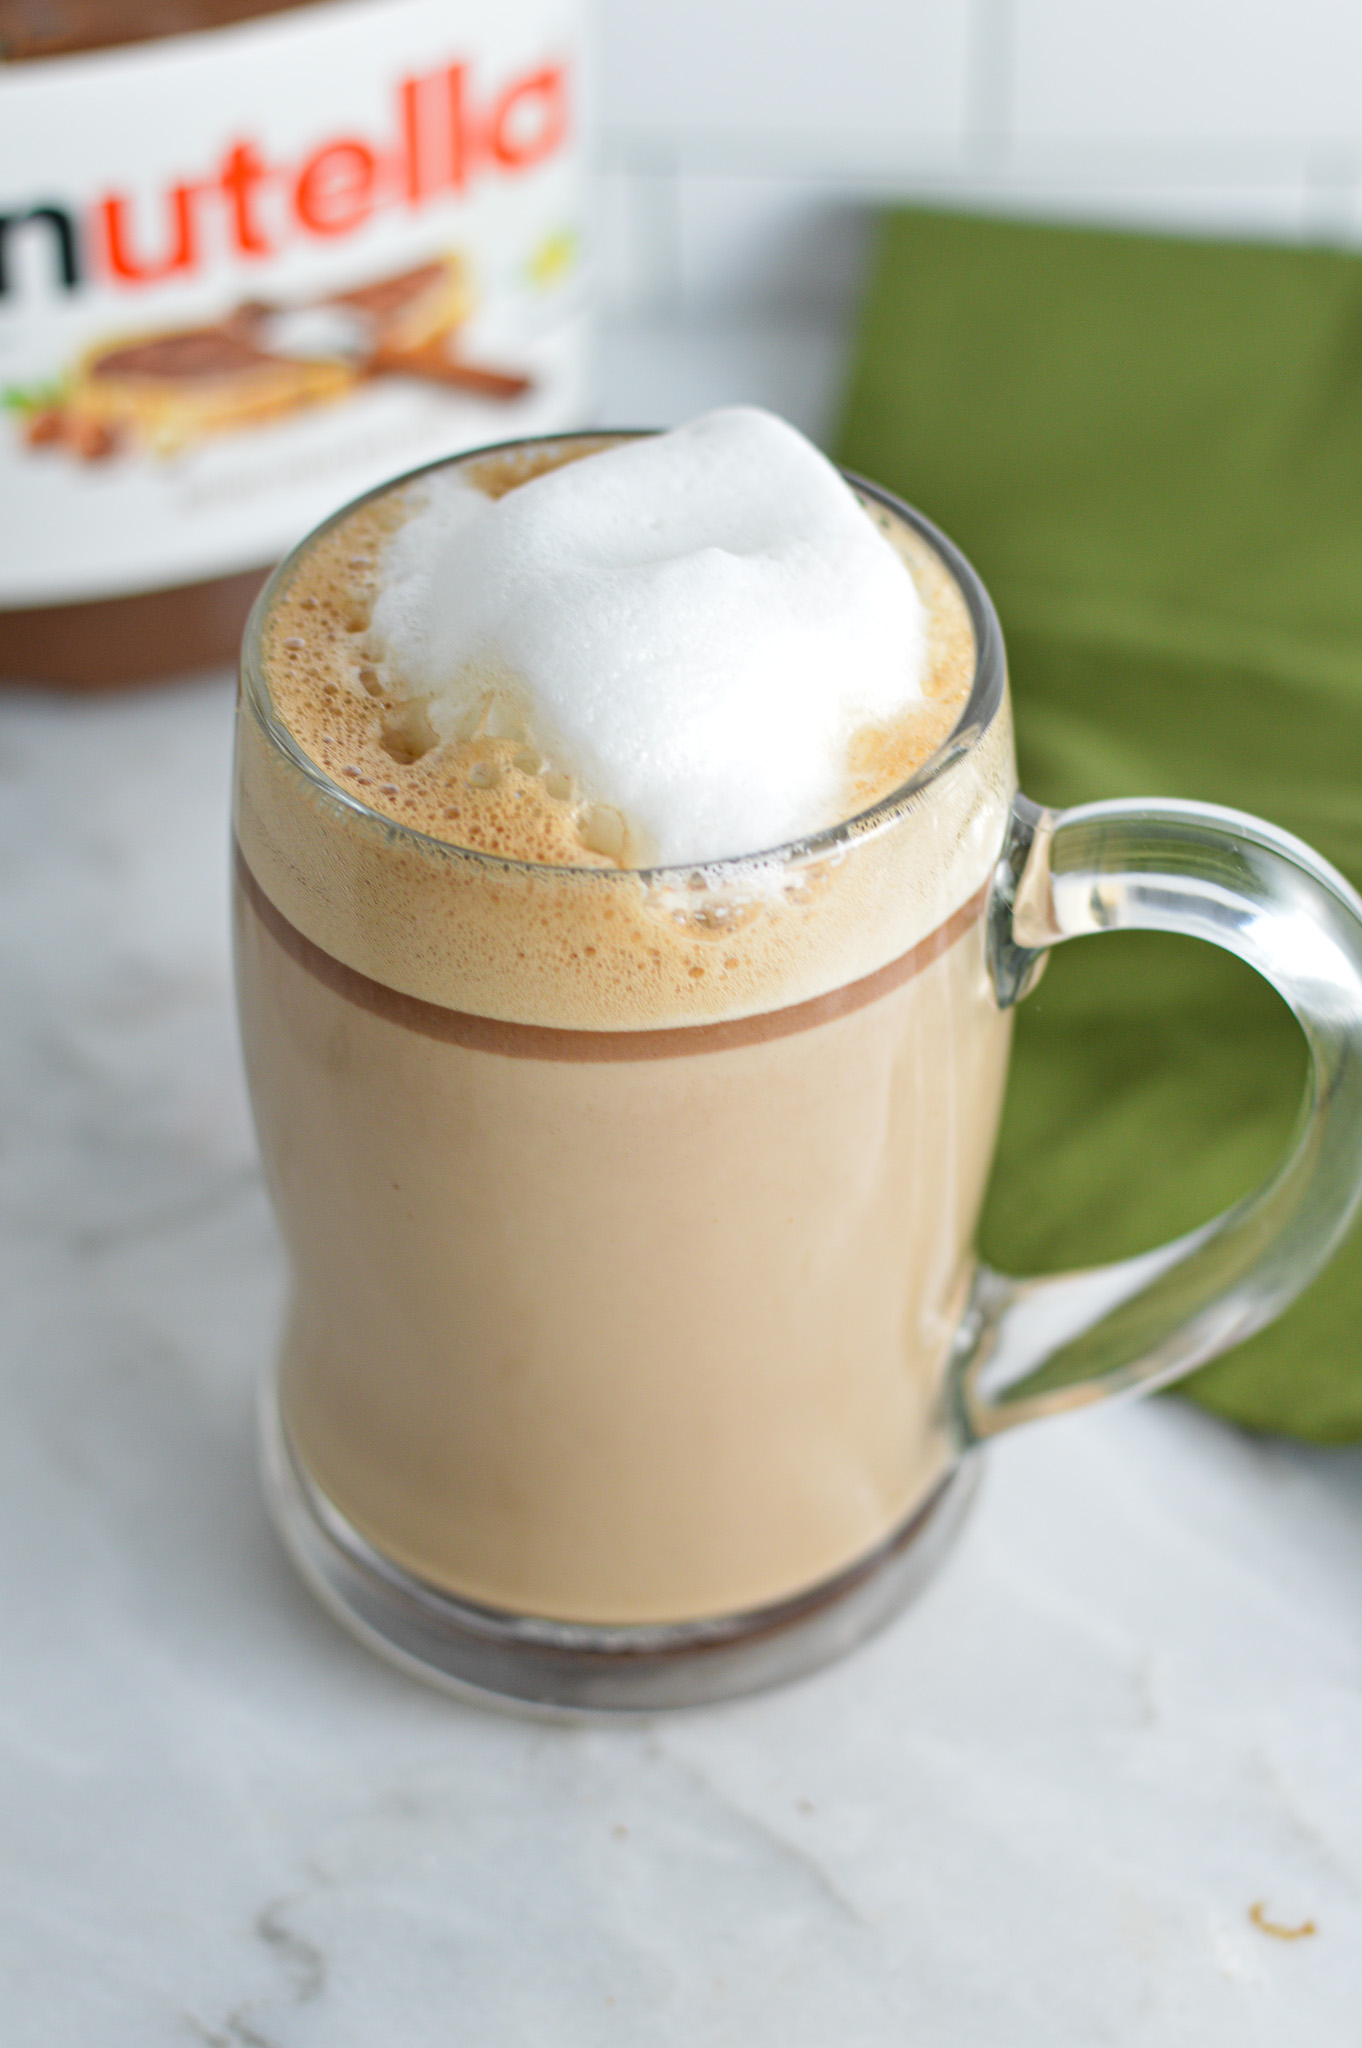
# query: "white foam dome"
{"type": "Point", "coordinates": [692, 626]}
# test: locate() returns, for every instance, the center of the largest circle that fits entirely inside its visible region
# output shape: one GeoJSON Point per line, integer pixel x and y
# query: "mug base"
{"type": "Point", "coordinates": [553, 1667]}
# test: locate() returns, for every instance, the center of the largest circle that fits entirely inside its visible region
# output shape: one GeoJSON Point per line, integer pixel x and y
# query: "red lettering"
{"type": "Point", "coordinates": [530, 119]}
{"type": "Point", "coordinates": [183, 252]}
{"type": "Point", "coordinates": [446, 136]}
{"type": "Point", "coordinates": [244, 171]}
{"type": "Point", "coordinates": [335, 190]}
{"type": "Point", "coordinates": [409, 95]}
{"type": "Point", "coordinates": [462, 139]}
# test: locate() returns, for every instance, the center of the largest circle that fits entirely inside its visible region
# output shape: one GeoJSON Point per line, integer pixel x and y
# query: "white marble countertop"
{"type": "Point", "coordinates": [1040, 1811]}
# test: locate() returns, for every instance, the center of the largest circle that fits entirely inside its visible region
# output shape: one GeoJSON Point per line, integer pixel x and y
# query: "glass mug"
{"type": "Point", "coordinates": [635, 1368]}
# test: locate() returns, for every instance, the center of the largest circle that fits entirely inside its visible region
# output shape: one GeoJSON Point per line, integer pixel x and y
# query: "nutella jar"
{"type": "Point", "coordinates": [254, 258]}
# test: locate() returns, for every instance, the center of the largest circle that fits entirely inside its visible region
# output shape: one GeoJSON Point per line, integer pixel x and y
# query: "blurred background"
{"type": "Point", "coordinates": [743, 146]}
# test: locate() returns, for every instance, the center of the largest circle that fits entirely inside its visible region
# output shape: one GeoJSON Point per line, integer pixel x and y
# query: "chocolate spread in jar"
{"type": "Point", "coordinates": [231, 298]}
{"type": "Point", "coordinates": [196, 625]}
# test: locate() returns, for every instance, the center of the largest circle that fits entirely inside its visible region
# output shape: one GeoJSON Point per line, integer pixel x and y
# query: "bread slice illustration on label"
{"type": "Point", "coordinates": [159, 393]}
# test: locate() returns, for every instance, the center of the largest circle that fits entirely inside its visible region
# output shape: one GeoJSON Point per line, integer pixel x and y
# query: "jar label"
{"type": "Point", "coordinates": [250, 272]}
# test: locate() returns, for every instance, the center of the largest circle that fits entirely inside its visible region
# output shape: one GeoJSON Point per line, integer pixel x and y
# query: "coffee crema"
{"type": "Point", "coordinates": [505, 891]}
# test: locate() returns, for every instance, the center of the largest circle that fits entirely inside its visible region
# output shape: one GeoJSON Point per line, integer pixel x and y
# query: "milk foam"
{"type": "Point", "coordinates": [467, 873]}
{"type": "Point", "coordinates": [694, 627]}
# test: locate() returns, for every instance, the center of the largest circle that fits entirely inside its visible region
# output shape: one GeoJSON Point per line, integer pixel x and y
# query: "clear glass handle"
{"type": "Point", "coordinates": [1029, 1348]}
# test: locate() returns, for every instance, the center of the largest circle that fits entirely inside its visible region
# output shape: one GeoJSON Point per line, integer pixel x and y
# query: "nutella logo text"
{"type": "Point", "coordinates": [442, 135]}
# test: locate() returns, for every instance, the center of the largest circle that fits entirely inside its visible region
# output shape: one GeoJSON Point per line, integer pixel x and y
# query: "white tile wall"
{"type": "Point", "coordinates": [745, 142]}
{"type": "Point", "coordinates": [803, 239]}
{"type": "Point", "coordinates": [1199, 71]}
{"type": "Point", "coordinates": [791, 70]}
{"type": "Point", "coordinates": [683, 241]}
{"type": "Point", "coordinates": [1149, 195]}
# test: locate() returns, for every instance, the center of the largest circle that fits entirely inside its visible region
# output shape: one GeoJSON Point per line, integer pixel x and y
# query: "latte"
{"type": "Point", "coordinates": [629, 1207]}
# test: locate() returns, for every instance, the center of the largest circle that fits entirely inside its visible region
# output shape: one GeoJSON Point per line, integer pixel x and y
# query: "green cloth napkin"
{"type": "Point", "coordinates": [1152, 451]}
